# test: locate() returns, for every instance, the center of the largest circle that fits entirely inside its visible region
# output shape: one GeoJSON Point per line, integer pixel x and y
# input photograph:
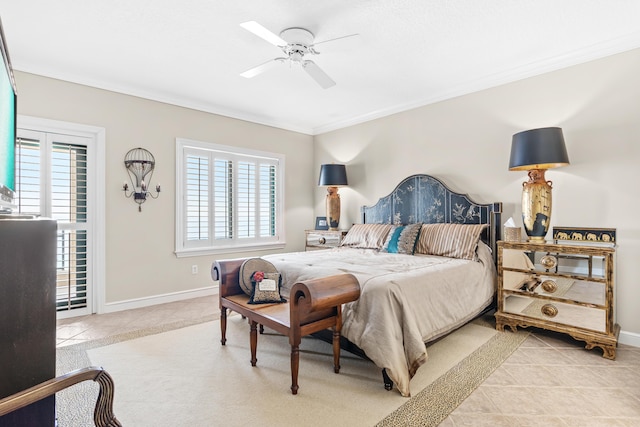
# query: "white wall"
{"type": "Point", "coordinates": [466, 142]}
{"type": "Point", "coordinates": [140, 260]}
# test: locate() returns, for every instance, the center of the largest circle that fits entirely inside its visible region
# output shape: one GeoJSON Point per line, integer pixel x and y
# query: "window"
{"type": "Point", "coordinates": [227, 199]}
{"type": "Point", "coordinates": [51, 180]}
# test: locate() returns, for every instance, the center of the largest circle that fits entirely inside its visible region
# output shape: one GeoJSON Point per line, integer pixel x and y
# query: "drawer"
{"type": "Point", "coordinates": [323, 240]}
{"type": "Point", "coordinates": [584, 291]}
{"type": "Point", "coordinates": [550, 262]}
{"type": "Point", "coordinates": [567, 314]}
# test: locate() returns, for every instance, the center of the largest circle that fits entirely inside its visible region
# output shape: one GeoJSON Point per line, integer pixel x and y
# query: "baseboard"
{"type": "Point", "coordinates": [112, 307]}
{"type": "Point", "coordinates": [629, 338]}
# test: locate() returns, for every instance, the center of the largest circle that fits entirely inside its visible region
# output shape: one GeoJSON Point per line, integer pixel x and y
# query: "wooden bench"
{"type": "Point", "coordinates": [314, 305]}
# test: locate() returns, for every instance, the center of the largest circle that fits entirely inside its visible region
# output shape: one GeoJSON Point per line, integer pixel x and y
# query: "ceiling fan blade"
{"type": "Point", "coordinates": [337, 38]}
{"type": "Point", "coordinates": [252, 72]}
{"type": "Point", "coordinates": [318, 75]}
{"type": "Point", "coordinates": [263, 33]}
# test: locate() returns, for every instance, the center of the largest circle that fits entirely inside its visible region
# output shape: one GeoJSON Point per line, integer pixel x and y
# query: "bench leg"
{"type": "Point", "coordinates": [336, 351]}
{"type": "Point", "coordinates": [223, 325]}
{"type": "Point", "coordinates": [253, 340]}
{"type": "Point", "coordinates": [295, 365]}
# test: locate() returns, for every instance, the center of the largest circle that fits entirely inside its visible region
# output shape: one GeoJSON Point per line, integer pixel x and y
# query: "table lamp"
{"type": "Point", "coordinates": [332, 176]}
{"type": "Point", "coordinates": [537, 150]}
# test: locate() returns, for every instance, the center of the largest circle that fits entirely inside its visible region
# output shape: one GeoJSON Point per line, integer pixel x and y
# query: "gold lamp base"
{"type": "Point", "coordinates": [536, 205]}
{"type": "Point", "coordinates": [333, 208]}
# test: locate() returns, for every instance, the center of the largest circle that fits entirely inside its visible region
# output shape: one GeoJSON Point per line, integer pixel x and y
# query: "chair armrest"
{"type": "Point", "coordinates": [103, 413]}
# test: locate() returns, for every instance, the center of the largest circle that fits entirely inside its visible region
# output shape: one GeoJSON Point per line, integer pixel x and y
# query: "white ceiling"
{"type": "Point", "coordinates": [408, 53]}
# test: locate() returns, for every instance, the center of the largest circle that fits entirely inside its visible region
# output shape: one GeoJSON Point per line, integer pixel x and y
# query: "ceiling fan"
{"type": "Point", "coordinates": [295, 43]}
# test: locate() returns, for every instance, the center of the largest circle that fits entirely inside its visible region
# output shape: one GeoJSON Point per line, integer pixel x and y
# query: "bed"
{"type": "Point", "coordinates": [425, 260]}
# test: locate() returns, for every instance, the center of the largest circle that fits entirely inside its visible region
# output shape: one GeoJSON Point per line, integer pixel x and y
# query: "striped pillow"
{"type": "Point", "coordinates": [450, 240]}
{"type": "Point", "coordinates": [367, 236]}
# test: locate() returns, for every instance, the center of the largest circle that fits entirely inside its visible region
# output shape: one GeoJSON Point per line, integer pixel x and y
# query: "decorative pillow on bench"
{"type": "Point", "coordinates": [266, 288]}
{"type": "Point", "coordinates": [261, 281]}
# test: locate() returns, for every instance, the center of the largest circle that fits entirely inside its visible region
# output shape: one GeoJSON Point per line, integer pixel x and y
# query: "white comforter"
{"type": "Point", "coordinates": [405, 301]}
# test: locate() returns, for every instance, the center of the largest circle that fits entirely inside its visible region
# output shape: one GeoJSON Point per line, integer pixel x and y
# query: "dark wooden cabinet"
{"type": "Point", "coordinates": [27, 314]}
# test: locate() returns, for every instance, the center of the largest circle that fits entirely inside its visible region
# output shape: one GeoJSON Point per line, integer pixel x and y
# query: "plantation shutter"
{"type": "Point", "coordinates": [267, 200]}
{"type": "Point", "coordinates": [197, 197]}
{"type": "Point", "coordinates": [69, 208]}
{"type": "Point", "coordinates": [51, 181]}
{"type": "Point", "coordinates": [226, 199]}
{"type": "Point", "coordinates": [246, 199]}
{"type": "Point", "coordinates": [223, 199]}
{"type": "Point", "coordinates": [28, 176]}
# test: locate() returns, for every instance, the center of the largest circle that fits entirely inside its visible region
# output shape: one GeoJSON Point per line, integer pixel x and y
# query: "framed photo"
{"type": "Point", "coordinates": [321, 223]}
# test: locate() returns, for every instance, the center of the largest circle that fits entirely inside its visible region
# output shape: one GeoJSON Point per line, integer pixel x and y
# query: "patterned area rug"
{"type": "Point", "coordinates": [74, 405]}
{"type": "Point", "coordinates": [434, 403]}
{"type": "Point", "coordinates": [434, 398]}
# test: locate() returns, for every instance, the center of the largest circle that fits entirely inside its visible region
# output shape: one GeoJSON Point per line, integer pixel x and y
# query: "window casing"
{"type": "Point", "coordinates": [227, 199]}
{"type": "Point", "coordinates": [52, 174]}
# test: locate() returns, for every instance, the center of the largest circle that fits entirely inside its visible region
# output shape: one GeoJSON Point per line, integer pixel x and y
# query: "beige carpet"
{"type": "Point", "coordinates": [184, 377]}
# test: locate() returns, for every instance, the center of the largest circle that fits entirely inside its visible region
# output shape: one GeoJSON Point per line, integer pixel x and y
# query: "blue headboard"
{"type": "Point", "coordinates": [423, 198]}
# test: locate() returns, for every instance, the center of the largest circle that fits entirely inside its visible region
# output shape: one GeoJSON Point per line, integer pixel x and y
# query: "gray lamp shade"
{"type": "Point", "coordinates": [333, 175]}
{"type": "Point", "coordinates": [538, 149]}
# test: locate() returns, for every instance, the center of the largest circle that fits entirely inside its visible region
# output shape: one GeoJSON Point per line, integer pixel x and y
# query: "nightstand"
{"type": "Point", "coordinates": [323, 239]}
{"type": "Point", "coordinates": [567, 288]}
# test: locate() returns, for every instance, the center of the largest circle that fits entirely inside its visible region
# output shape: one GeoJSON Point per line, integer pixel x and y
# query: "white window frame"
{"type": "Point", "coordinates": [183, 249]}
{"type": "Point", "coordinates": [96, 201]}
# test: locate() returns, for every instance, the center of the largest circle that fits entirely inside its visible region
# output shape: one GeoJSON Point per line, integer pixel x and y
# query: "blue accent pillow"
{"type": "Point", "coordinates": [402, 239]}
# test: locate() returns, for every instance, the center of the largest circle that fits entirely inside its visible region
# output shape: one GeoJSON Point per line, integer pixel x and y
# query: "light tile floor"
{"type": "Point", "coordinates": [549, 381]}
{"type": "Point", "coordinates": [84, 328]}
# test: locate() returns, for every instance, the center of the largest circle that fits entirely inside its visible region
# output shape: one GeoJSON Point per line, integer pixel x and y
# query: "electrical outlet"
{"type": "Point", "coordinates": [194, 269]}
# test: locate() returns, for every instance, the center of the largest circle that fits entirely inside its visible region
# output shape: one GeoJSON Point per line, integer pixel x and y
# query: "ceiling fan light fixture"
{"type": "Point", "coordinates": [296, 56]}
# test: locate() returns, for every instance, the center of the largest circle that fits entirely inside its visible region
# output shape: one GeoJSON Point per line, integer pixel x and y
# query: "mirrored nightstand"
{"type": "Point", "coordinates": [566, 288]}
{"type": "Point", "coordinates": [323, 239]}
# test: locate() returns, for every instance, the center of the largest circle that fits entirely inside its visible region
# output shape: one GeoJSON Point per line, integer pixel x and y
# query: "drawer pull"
{"type": "Point", "coordinates": [549, 261]}
{"type": "Point", "coordinates": [322, 240]}
{"type": "Point", "coordinates": [549, 286]}
{"type": "Point", "coordinates": [549, 310]}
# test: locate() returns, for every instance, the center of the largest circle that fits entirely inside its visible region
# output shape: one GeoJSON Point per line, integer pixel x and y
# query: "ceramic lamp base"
{"type": "Point", "coordinates": [536, 205]}
{"type": "Point", "coordinates": [333, 208]}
